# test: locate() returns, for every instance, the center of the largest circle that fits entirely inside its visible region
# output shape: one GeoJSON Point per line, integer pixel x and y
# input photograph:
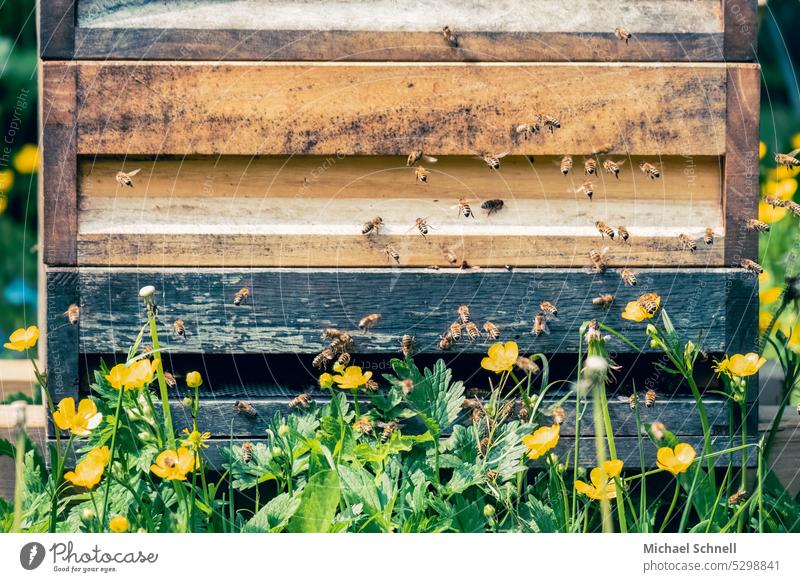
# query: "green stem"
{"type": "Point", "coordinates": [743, 481]}
{"type": "Point", "coordinates": [355, 404]}
{"type": "Point", "coordinates": [612, 449]}
{"type": "Point", "coordinates": [671, 507]}
{"type": "Point", "coordinates": [102, 518]}
{"type": "Point", "coordinates": [600, 451]}
{"type": "Point", "coordinates": [19, 483]}
{"type": "Point", "coordinates": [162, 383]}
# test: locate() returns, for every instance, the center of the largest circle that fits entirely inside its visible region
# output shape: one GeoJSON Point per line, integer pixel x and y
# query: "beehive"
{"type": "Point", "coordinates": [267, 133]}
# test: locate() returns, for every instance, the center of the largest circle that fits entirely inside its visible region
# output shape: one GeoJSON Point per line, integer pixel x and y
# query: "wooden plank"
{"type": "Point", "coordinates": [288, 307]}
{"type": "Point", "coordinates": [785, 457]}
{"type": "Point", "coordinates": [388, 109]}
{"type": "Point", "coordinates": [56, 28]}
{"type": "Point", "coordinates": [62, 337]}
{"type": "Point", "coordinates": [59, 164]}
{"type": "Point", "coordinates": [38, 436]}
{"type": "Point", "coordinates": [35, 416]}
{"type": "Point", "coordinates": [741, 29]}
{"type": "Point", "coordinates": [16, 376]}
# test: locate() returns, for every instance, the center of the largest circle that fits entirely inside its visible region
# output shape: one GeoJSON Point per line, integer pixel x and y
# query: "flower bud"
{"type": "Point", "coordinates": [87, 514]}
{"type": "Point", "coordinates": [147, 291]}
{"type": "Point", "coordinates": [553, 458]}
{"type": "Point", "coordinates": [283, 430]}
{"type": "Point", "coordinates": [488, 510]}
{"type": "Point", "coordinates": [658, 430]}
{"type": "Point", "coordinates": [277, 451]}
{"type": "Point", "coordinates": [187, 402]}
{"type": "Point", "coordinates": [194, 380]}
{"type": "Point", "coordinates": [145, 437]}
{"type": "Point", "coordinates": [490, 409]}
{"type": "Point", "coordinates": [652, 331]}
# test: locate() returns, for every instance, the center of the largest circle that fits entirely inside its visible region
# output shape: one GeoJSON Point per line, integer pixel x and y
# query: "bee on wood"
{"type": "Point", "coordinates": [789, 160]}
{"type": "Point", "coordinates": [170, 380]}
{"type": "Point", "coordinates": [492, 331]}
{"type": "Point", "coordinates": [331, 333]}
{"type": "Point", "coordinates": [686, 243]}
{"type": "Point", "coordinates": [247, 452]}
{"type": "Point", "coordinates": [628, 277]}
{"type": "Point", "coordinates": [300, 401]}
{"type": "Point", "coordinates": [179, 328]}
{"type": "Point", "coordinates": [342, 343]}
{"type": "Point", "coordinates": [371, 385]}
{"type": "Point", "coordinates": [755, 224]}
{"type": "Point", "coordinates": [421, 174]}
{"type": "Point", "coordinates": [363, 425]}
{"type": "Point", "coordinates": [623, 234]}
{"type": "Point", "coordinates": [559, 415]}
{"type": "Point", "coordinates": [708, 237]}
{"type": "Point", "coordinates": [622, 34]}
{"type": "Point", "coordinates": [422, 226]}
{"type": "Point", "coordinates": [241, 296]}
{"type": "Point", "coordinates": [751, 266]}
{"type": "Point", "coordinates": [125, 178]}
{"type": "Point", "coordinates": [566, 165]}
{"type": "Point", "coordinates": [604, 229]}
{"type": "Point", "coordinates": [446, 341]}
{"type": "Point", "coordinates": [527, 365]}
{"type": "Point", "coordinates": [464, 208]}
{"type": "Point", "coordinates": [450, 256]}
{"type": "Point", "coordinates": [472, 330]}
{"type": "Point", "coordinates": [550, 123]}
{"type": "Point", "coordinates": [367, 322]}
{"type": "Point", "coordinates": [454, 331]}
{"type": "Point", "coordinates": [245, 408]}
{"type": "Point", "coordinates": [322, 359]}
{"type": "Point", "coordinates": [633, 400]}
{"type": "Point", "coordinates": [73, 314]}
{"type": "Point", "coordinates": [391, 254]}
{"type": "Point", "coordinates": [388, 429]}
{"type": "Point", "coordinates": [650, 398]}
{"type": "Point", "coordinates": [463, 313]}
{"type": "Point", "coordinates": [737, 498]}
{"type": "Point", "coordinates": [587, 188]}
{"type": "Point", "coordinates": [549, 309]}
{"type": "Point", "coordinates": [527, 130]}
{"type": "Point", "coordinates": [418, 155]}
{"type": "Point", "coordinates": [407, 345]}
{"type": "Point", "coordinates": [598, 259]}
{"type": "Point", "coordinates": [648, 302]}
{"type": "Point", "coordinates": [603, 300]}
{"type": "Point", "coordinates": [494, 205]}
{"type": "Point", "coordinates": [590, 167]}
{"type": "Point", "coordinates": [343, 360]}
{"type": "Point", "coordinates": [540, 325]}
{"type": "Point", "coordinates": [650, 170]}
{"type": "Point", "coordinates": [372, 226]}
{"type": "Point", "coordinates": [613, 167]}
{"type": "Point", "coordinates": [493, 161]}
{"type": "Point", "coordinates": [449, 36]}
{"type": "Point", "coordinates": [407, 386]}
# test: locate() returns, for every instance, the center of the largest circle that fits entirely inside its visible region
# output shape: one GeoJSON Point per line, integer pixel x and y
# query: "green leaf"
{"type": "Point", "coordinates": [318, 504]}
{"type": "Point", "coordinates": [274, 516]}
{"type": "Point", "coordinates": [358, 487]}
{"type": "Point", "coordinates": [539, 517]}
{"type": "Point", "coordinates": [435, 399]}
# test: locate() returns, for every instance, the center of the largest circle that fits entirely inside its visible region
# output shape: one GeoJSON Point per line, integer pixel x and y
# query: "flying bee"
{"type": "Point", "coordinates": [472, 330]}
{"type": "Point", "coordinates": [363, 425]}
{"type": "Point", "coordinates": [789, 160]}
{"type": "Point", "coordinates": [492, 161]}
{"type": "Point", "coordinates": [566, 165]}
{"type": "Point", "coordinates": [792, 207]}
{"type": "Point", "coordinates": [737, 497]}
{"type": "Point", "coordinates": [751, 266]}
{"type": "Point", "coordinates": [331, 333]}
{"type": "Point", "coordinates": [407, 344]}
{"type": "Point", "coordinates": [590, 167]}
{"type": "Point", "coordinates": [372, 226]}
{"type": "Point", "coordinates": [463, 313]}
{"type": "Point", "coordinates": [322, 359]}
{"type": "Point", "coordinates": [454, 331]}
{"type": "Point", "coordinates": [755, 224]}
{"type": "Point", "coordinates": [342, 343]}
{"type": "Point", "coordinates": [628, 277]}
{"type": "Point", "coordinates": [650, 170]}
{"type": "Point", "coordinates": [392, 254]}
{"type": "Point", "coordinates": [650, 398]}
{"type": "Point", "coordinates": [623, 234]}
{"type": "Point", "coordinates": [343, 360]}
{"type": "Point", "coordinates": [775, 202]}
{"type": "Point", "coordinates": [407, 386]}
{"type": "Point", "coordinates": [550, 123]}
{"type": "Point", "coordinates": [388, 429]}
{"type": "Point", "coordinates": [367, 322]}
{"type": "Point", "coordinates": [446, 341]}
{"type": "Point", "coordinates": [633, 400]}
{"type": "Point", "coordinates": [603, 300]}
{"type": "Point", "coordinates": [648, 302]}
{"type": "Point", "coordinates": [421, 174]}
{"type": "Point", "coordinates": [559, 415]}
{"type": "Point", "coordinates": [245, 408]}
{"type": "Point", "coordinates": [598, 259]}
{"type": "Point", "coordinates": [540, 325]}
{"type": "Point", "coordinates": [169, 380]}
{"type": "Point", "coordinates": [492, 331]}
{"type": "Point", "coordinates": [241, 296]}
{"type": "Point", "coordinates": [179, 328]}
{"type": "Point", "coordinates": [686, 243]}
{"type": "Point", "coordinates": [73, 314]}
{"type": "Point", "coordinates": [247, 452]}
{"type": "Point", "coordinates": [708, 237]}
{"type": "Point", "coordinates": [422, 226]}
{"type": "Point", "coordinates": [549, 309]}
{"type": "Point", "coordinates": [449, 36]}
{"type": "Point", "coordinates": [124, 178]}
{"type": "Point", "coordinates": [494, 205]}
{"type": "Point", "coordinates": [587, 188]}
{"type": "Point", "coordinates": [300, 401]}
{"type": "Point", "coordinates": [450, 256]}
{"type": "Point", "coordinates": [613, 167]}
{"type": "Point", "coordinates": [527, 365]}
{"type": "Point", "coordinates": [526, 130]}
{"type": "Point", "coordinates": [604, 229]}
{"type": "Point", "coordinates": [464, 208]}
{"type": "Point", "coordinates": [622, 34]}
{"type": "Point", "coordinates": [371, 385]}
{"type": "Point", "coordinates": [418, 155]}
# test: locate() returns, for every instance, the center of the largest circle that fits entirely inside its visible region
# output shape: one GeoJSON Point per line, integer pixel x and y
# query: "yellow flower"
{"type": "Point", "coordinates": [173, 465]}
{"type": "Point", "coordinates": [119, 524]}
{"type": "Point", "coordinates": [501, 357]}
{"type": "Point", "coordinates": [764, 317]}
{"type": "Point", "coordinates": [353, 378]}
{"type": "Point", "coordinates": [763, 277]}
{"type": "Point", "coordinates": [27, 159]}
{"type": "Point", "coordinates": [195, 440]}
{"type": "Point", "coordinates": [769, 296]}
{"type": "Point", "coordinates": [325, 380]}
{"type": "Point", "coordinates": [87, 473]}
{"type": "Point", "coordinates": [786, 189]}
{"type": "Point", "coordinates": [635, 312]}
{"type": "Point", "coordinates": [80, 423]}
{"type": "Point", "coordinates": [194, 380]}
{"type": "Point", "coordinates": [137, 375]}
{"type": "Point", "coordinates": [603, 486]}
{"type": "Point", "coordinates": [676, 460]}
{"type": "Point", "coordinates": [762, 150]}
{"type": "Point", "coordinates": [23, 339]}
{"type": "Point", "coordinates": [768, 214]}
{"type": "Point", "coordinates": [6, 180]}
{"type": "Point", "coordinates": [796, 141]}
{"type": "Point", "coordinates": [338, 368]}
{"type": "Point", "coordinates": [3, 203]}
{"type": "Point", "coordinates": [782, 172]}
{"type": "Point", "coordinates": [99, 455]}
{"type": "Point", "coordinates": [612, 468]}
{"type": "Point", "coordinates": [541, 440]}
{"type": "Point", "coordinates": [745, 365]}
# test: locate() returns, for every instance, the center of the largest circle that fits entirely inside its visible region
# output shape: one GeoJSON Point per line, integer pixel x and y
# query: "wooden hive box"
{"type": "Point", "coordinates": [267, 135]}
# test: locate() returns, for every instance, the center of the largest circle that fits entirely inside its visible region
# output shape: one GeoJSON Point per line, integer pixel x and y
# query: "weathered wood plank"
{"type": "Point", "coordinates": [287, 308]}
{"type": "Point", "coordinates": [387, 109]}
{"type": "Point", "coordinates": [62, 337]}
{"type": "Point", "coordinates": [16, 376]}
{"type": "Point", "coordinates": [56, 28]}
{"type": "Point", "coordinates": [741, 29]}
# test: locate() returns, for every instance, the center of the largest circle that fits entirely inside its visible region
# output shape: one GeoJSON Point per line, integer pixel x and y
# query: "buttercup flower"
{"type": "Point", "coordinates": [194, 380]}
{"type": "Point", "coordinates": [541, 440]}
{"type": "Point", "coordinates": [501, 357]}
{"type": "Point", "coordinates": [325, 380]}
{"type": "Point", "coordinates": [195, 440]}
{"type": "Point", "coordinates": [79, 423]}
{"type": "Point", "coordinates": [23, 339]}
{"type": "Point", "coordinates": [27, 159]}
{"type": "Point", "coordinates": [99, 455]}
{"type": "Point", "coordinates": [173, 465]}
{"type": "Point", "coordinates": [764, 317]}
{"type": "Point", "coordinates": [676, 460]}
{"type": "Point", "coordinates": [88, 472]}
{"type": "Point", "coordinates": [119, 524]}
{"type": "Point", "coordinates": [603, 486]}
{"type": "Point", "coordinates": [137, 375]}
{"type": "Point", "coordinates": [6, 180]}
{"type": "Point", "coordinates": [635, 311]}
{"type": "Point", "coordinates": [768, 296]}
{"type": "Point", "coordinates": [353, 378]}
{"type": "Point", "coordinates": [745, 365]}
{"type": "Point", "coordinates": [762, 149]}
{"type": "Point", "coordinates": [769, 214]}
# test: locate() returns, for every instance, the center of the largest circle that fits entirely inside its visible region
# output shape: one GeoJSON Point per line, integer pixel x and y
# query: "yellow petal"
{"type": "Point", "coordinates": [613, 468]}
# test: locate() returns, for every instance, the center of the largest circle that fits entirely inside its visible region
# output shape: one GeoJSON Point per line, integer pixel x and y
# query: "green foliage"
{"type": "Point", "coordinates": [318, 504]}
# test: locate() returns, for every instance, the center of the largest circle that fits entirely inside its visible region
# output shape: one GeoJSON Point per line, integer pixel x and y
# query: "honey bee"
{"type": "Point", "coordinates": [388, 429]}
{"type": "Point", "coordinates": [407, 345]}
{"type": "Point", "coordinates": [343, 360]}
{"type": "Point", "coordinates": [331, 333]}
{"type": "Point", "coordinates": [463, 313]}
{"type": "Point", "coordinates": [407, 386]}
{"type": "Point", "coordinates": [792, 207]}
{"type": "Point", "coordinates": [650, 398]}
{"type": "Point", "coordinates": [708, 237]}
{"type": "Point", "coordinates": [628, 277]}
{"type": "Point", "coordinates": [550, 123]}
{"type": "Point", "coordinates": [650, 170]}
{"type": "Point", "coordinates": [755, 224]}
{"type": "Point", "coordinates": [527, 130]}
{"type": "Point", "coordinates": [549, 309]}
{"type": "Point", "coordinates": [603, 300]}
{"type": "Point", "coordinates": [446, 341]}
{"type": "Point", "coordinates": [450, 256]}
{"type": "Point", "coordinates": [604, 229]}
{"type": "Point", "coordinates": [371, 385]}
{"type": "Point", "coordinates": [590, 167]}
{"type": "Point", "coordinates": [527, 365]}
{"type": "Point", "coordinates": [241, 296]}
{"type": "Point", "coordinates": [623, 234]}
{"type": "Point", "coordinates": [472, 330]}
{"type": "Point", "coordinates": [300, 401]}
{"type": "Point", "coordinates": [454, 331]}
{"type": "Point", "coordinates": [322, 359]}
{"type": "Point", "coordinates": [587, 188]}
{"type": "Point", "coordinates": [367, 322]}
{"type": "Point", "coordinates": [559, 415]}
{"type": "Point", "coordinates": [73, 314]}
{"type": "Point", "coordinates": [179, 328]}
{"type": "Point", "coordinates": [372, 226]}
{"type": "Point", "coordinates": [775, 202]}
{"type": "Point", "coordinates": [342, 343]}
{"type": "Point", "coordinates": [622, 34]}
{"type": "Point", "coordinates": [247, 452]}
{"type": "Point", "coordinates": [422, 226]}
{"type": "Point", "coordinates": [421, 174]}
{"type": "Point", "coordinates": [751, 266]}
{"type": "Point", "coordinates": [658, 430]}
{"type": "Point", "coordinates": [449, 36]}
{"type": "Point", "coordinates": [464, 208]}
{"type": "Point", "coordinates": [124, 178]}
{"type": "Point", "coordinates": [492, 331]}
{"type": "Point", "coordinates": [245, 408]}
{"type": "Point", "coordinates": [613, 167]}
{"type": "Point", "coordinates": [170, 380]}
{"type": "Point", "coordinates": [540, 325]}
{"type": "Point", "coordinates": [648, 302]}
{"type": "Point", "coordinates": [633, 400]}
{"type": "Point", "coordinates": [494, 205]}
{"type": "Point", "coordinates": [737, 497]}
{"type": "Point", "coordinates": [789, 160]}
{"type": "Point", "coordinates": [686, 243]}
{"type": "Point", "coordinates": [598, 259]}
{"type": "Point", "coordinates": [566, 165]}
{"type": "Point", "coordinates": [493, 161]}
{"type": "Point", "coordinates": [418, 155]}
{"type": "Point", "coordinates": [392, 254]}
{"type": "Point", "coordinates": [363, 425]}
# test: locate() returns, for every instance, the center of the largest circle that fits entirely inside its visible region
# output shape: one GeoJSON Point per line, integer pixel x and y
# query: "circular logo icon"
{"type": "Point", "coordinates": [31, 555]}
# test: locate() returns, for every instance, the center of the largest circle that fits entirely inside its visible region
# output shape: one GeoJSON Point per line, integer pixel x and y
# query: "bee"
{"type": "Point", "coordinates": [422, 226]}
{"type": "Point", "coordinates": [613, 167]}
{"type": "Point", "coordinates": [464, 208]}
{"type": "Point", "coordinates": [450, 37]}
{"type": "Point", "coordinates": [603, 300]}
{"type": "Point", "coordinates": [658, 430]}
{"type": "Point", "coordinates": [737, 497]}
{"type": "Point", "coordinates": [540, 324]}
{"type": "Point", "coordinates": [549, 309]}
{"type": "Point", "coordinates": [628, 277]}
{"type": "Point", "coordinates": [587, 188]}
{"type": "Point", "coordinates": [648, 302]}
{"type": "Point", "coordinates": [493, 161]}
{"type": "Point", "coordinates": [342, 343]}
{"type": "Point", "coordinates": [686, 243]}
{"type": "Point", "coordinates": [391, 254]}
{"type": "Point", "coordinates": [622, 34]}
{"type": "Point", "coordinates": [450, 256]}
{"type": "Point", "coordinates": [241, 296]}
{"type": "Point", "coordinates": [245, 408]}
{"type": "Point", "coordinates": [755, 224]}
{"type": "Point", "coordinates": [708, 237]}
{"type": "Point", "coordinates": [170, 380]}
{"type": "Point", "coordinates": [632, 401]}
{"type": "Point", "coordinates": [751, 266]}
{"type": "Point", "coordinates": [388, 430]}
{"type": "Point", "coordinates": [559, 415]}
{"type": "Point", "coordinates": [527, 130]}
{"type": "Point", "coordinates": [590, 167]}
{"type": "Point", "coordinates": [247, 452]}
{"type": "Point", "coordinates": [407, 386]}
{"type": "Point", "coordinates": [650, 398]}
{"type": "Point", "coordinates": [367, 322]}
{"type": "Point", "coordinates": [371, 385]}
{"type": "Point", "coordinates": [363, 425]}
{"type": "Point", "coordinates": [421, 174]}
{"type": "Point", "coordinates": [322, 359]}
{"type": "Point", "coordinates": [593, 332]}
{"type": "Point", "coordinates": [331, 333]}
{"type": "Point", "coordinates": [373, 225]}
{"type": "Point", "coordinates": [775, 202]}
{"type": "Point", "coordinates": [179, 328]}
{"type": "Point", "coordinates": [343, 360]}
{"type": "Point", "coordinates": [418, 155]}
{"type": "Point", "coordinates": [550, 123]}
{"type": "Point", "coordinates": [407, 345]}
{"type": "Point", "coordinates": [463, 313]}
{"type": "Point", "coordinates": [454, 331]}
{"type": "Point", "coordinates": [566, 165]}
{"type": "Point", "coordinates": [527, 365]}
{"type": "Point", "coordinates": [604, 229]}
{"type": "Point", "coordinates": [492, 331]}
{"type": "Point", "coordinates": [650, 170]}
{"type": "Point", "coordinates": [124, 178]}
{"type": "Point", "coordinates": [73, 314]}
{"type": "Point", "coordinates": [623, 234]}
{"type": "Point", "coordinates": [300, 401]}
{"type": "Point", "coordinates": [483, 446]}
{"type": "Point", "coordinates": [598, 259]}
{"type": "Point", "coordinates": [494, 205]}
{"type": "Point", "coordinates": [792, 207]}
{"type": "Point", "coordinates": [446, 341]}
{"type": "Point", "coordinates": [789, 160]}
{"type": "Point", "coordinates": [472, 330]}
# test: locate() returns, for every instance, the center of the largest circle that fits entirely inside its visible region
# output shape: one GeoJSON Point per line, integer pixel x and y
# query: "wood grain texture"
{"type": "Point", "coordinates": [388, 109]}
{"type": "Point", "coordinates": [62, 337]}
{"type": "Point", "coordinates": [56, 28]}
{"type": "Point", "coordinates": [288, 307]}
{"type": "Point", "coordinates": [741, 29]}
